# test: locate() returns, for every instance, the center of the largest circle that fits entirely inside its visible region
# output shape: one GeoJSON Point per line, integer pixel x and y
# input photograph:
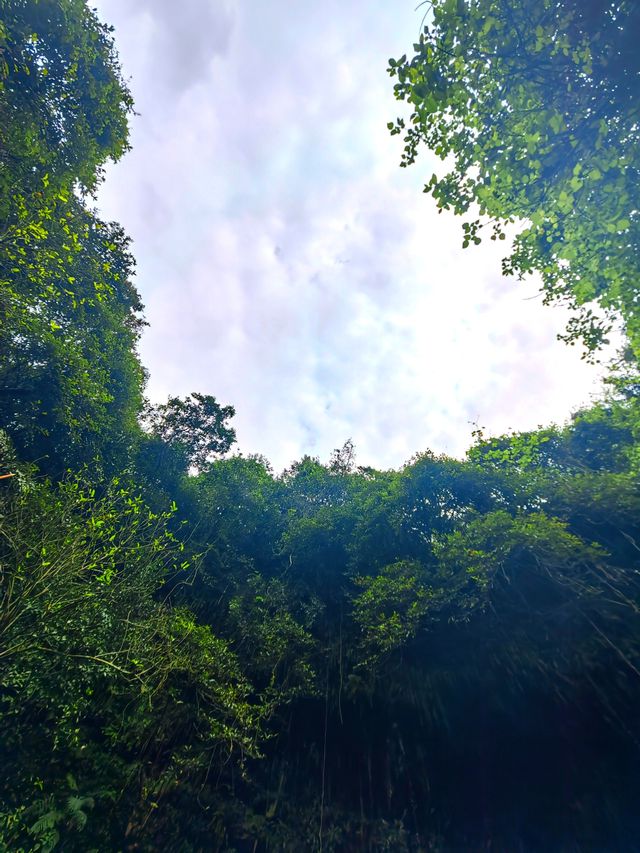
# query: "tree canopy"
{"type": "Point", "coordinates": [63, 104]}
{"type": "Point", "coordinates": [69, 314]}
{"type": "Point", "coordinates": [195, 427]}
{"type": "Point", "coordinates": [200, 654]}
{"type": "Point", "coordinates": [534, 107]}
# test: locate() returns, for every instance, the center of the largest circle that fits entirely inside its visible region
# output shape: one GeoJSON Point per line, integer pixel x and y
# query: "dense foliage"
{"type": "Point", "coordinates": [197, 654]}
{"type": "Point", "coordinates": [534, 106]}
{"type": "Point", "coordinates": [70, 380]}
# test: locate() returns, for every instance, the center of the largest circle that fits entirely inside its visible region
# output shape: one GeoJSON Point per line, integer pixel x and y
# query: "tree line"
{"type": "Point", "coordinates": [199, 654]}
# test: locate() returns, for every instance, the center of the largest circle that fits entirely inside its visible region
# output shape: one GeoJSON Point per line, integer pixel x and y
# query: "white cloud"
{"type": "Point", "coordinates": [288, 265]}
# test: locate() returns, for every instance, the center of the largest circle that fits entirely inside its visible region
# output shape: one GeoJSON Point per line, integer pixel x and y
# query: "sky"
{"type": "Point", "coordinates": [288, 265]}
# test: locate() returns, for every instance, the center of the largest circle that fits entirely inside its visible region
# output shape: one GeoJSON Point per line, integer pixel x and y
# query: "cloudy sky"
{"type": "Point", "coordinates": [288, 265]}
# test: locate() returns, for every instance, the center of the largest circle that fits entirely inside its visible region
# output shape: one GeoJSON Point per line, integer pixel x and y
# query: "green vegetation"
{"type": "Point", "coordinates": [197, 654]}
{"type": "Point", "coordinates": [70, 381]}
{"type": "Point", "coordinates": [536, 104]}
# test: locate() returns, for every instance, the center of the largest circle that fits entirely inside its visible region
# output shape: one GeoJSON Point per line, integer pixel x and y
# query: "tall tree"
{"type": "Point", "coordinates": [63, 104]}
{"type": "Point", "coordinates": [533, 104]}
{"type": "Point", "coordinates": [70, 379]}
{"type": "Point", "coordinates": [195, 428]}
